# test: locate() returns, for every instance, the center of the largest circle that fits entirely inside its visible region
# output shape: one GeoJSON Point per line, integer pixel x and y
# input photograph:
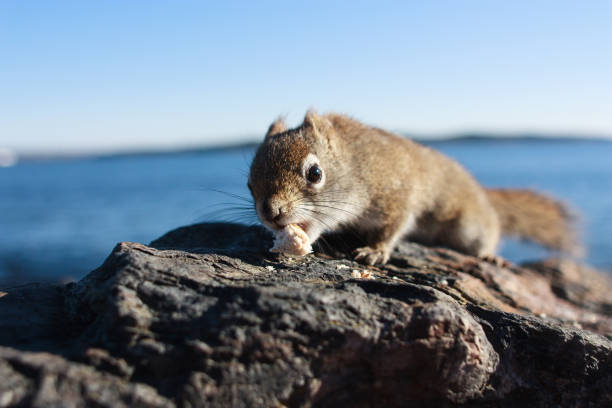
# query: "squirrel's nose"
{"type": "Point", "coordinates": [272, 210]}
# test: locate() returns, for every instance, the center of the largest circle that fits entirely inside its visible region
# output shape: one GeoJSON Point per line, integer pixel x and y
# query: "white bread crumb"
{"type": "Point", "coordinates": [292, 240]}
{"type": "Point", "coordinates": [341, 266]}
{"type": "Point", "coordinates": [357, 274]}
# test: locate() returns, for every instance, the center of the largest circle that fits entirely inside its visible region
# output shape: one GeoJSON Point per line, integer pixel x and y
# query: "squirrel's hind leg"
{"type": "Point", "coordinates": [472, 236]}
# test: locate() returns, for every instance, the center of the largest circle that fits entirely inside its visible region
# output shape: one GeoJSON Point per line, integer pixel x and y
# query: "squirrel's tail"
{"type": "Point", "coordinates": [536, 217]}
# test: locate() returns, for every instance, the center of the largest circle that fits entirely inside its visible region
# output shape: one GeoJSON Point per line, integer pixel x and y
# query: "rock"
{"type": "Point", "coordinates": [206, 316]}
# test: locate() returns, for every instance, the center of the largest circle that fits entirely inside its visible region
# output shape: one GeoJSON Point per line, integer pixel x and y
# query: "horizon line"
{"type": "Point", "coordinates": [11, 156]}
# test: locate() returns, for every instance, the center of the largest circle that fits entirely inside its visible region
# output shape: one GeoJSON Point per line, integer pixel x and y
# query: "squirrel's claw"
{"type": "Point", "coordinates": [370, 256]}
{"type": "Point", "coordinates": [496, 260]}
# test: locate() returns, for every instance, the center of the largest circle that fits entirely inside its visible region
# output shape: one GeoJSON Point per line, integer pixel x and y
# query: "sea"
{"type": "Point", "coordinates": [61, 217]}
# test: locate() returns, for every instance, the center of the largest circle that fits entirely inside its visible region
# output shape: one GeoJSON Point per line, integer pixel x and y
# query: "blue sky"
{"type": "Point", "coordinates": [107, 75]}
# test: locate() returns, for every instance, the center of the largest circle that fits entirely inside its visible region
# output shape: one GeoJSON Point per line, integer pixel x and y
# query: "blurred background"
{"type": "Point", "coordinates": [118, 120]}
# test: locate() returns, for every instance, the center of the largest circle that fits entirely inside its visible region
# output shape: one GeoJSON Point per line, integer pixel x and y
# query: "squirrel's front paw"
{"type": "Point", "coordinates": [496, 260]}
{"type": "Point", "coordinates": [371, 256]}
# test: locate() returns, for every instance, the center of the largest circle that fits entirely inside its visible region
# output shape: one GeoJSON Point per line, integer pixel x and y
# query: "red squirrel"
{"type": "Point", "coordinates": [333, 173]}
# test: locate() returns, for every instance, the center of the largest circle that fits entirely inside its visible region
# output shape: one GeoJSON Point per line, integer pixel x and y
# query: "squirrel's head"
{"type": "Point", "coordinates": [292, 171]}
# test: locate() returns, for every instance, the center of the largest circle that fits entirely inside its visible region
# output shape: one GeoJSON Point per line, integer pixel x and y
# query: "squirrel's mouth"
{"type": "Point", "coordinates": [303, 225]}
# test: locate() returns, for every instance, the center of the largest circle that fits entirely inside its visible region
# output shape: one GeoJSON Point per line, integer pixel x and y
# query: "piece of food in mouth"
{"type": "Point", "coordinates": [292, 240]}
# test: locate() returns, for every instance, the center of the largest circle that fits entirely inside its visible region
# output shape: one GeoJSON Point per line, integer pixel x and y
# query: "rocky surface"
{"type": "Point", "coordinates": [205, 316]}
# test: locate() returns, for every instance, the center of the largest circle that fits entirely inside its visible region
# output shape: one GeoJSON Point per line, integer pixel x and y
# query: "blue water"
{"type": "Point", "coordinates": [60, 219]}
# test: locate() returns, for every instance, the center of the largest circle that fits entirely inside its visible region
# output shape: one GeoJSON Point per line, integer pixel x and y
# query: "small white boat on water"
{"type": "Point", "coordinates": [8, 157]}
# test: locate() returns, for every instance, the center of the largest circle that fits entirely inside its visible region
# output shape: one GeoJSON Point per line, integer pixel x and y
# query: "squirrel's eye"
{"type": "Point", "coordinates": [315, 174]}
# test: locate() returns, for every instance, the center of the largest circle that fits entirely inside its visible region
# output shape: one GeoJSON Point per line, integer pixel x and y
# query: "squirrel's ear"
{"type": "Point", "coordinates": [316, 122]}
{"type": "Point", "coordinates": [278, 126]}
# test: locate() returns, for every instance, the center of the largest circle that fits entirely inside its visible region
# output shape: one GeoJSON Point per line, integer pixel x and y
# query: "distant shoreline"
{"type": "Point", "coordinates": [459, 138]}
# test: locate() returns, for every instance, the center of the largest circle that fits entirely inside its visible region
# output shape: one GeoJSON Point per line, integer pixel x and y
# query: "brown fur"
{"type": "Point", "coordinates": [383, 187]}
{"type": "Point", "coordinates": [536, 217]}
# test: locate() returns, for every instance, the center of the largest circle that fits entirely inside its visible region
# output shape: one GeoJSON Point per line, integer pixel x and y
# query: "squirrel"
{"type": "Point", "coordinates": [333, 174]}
